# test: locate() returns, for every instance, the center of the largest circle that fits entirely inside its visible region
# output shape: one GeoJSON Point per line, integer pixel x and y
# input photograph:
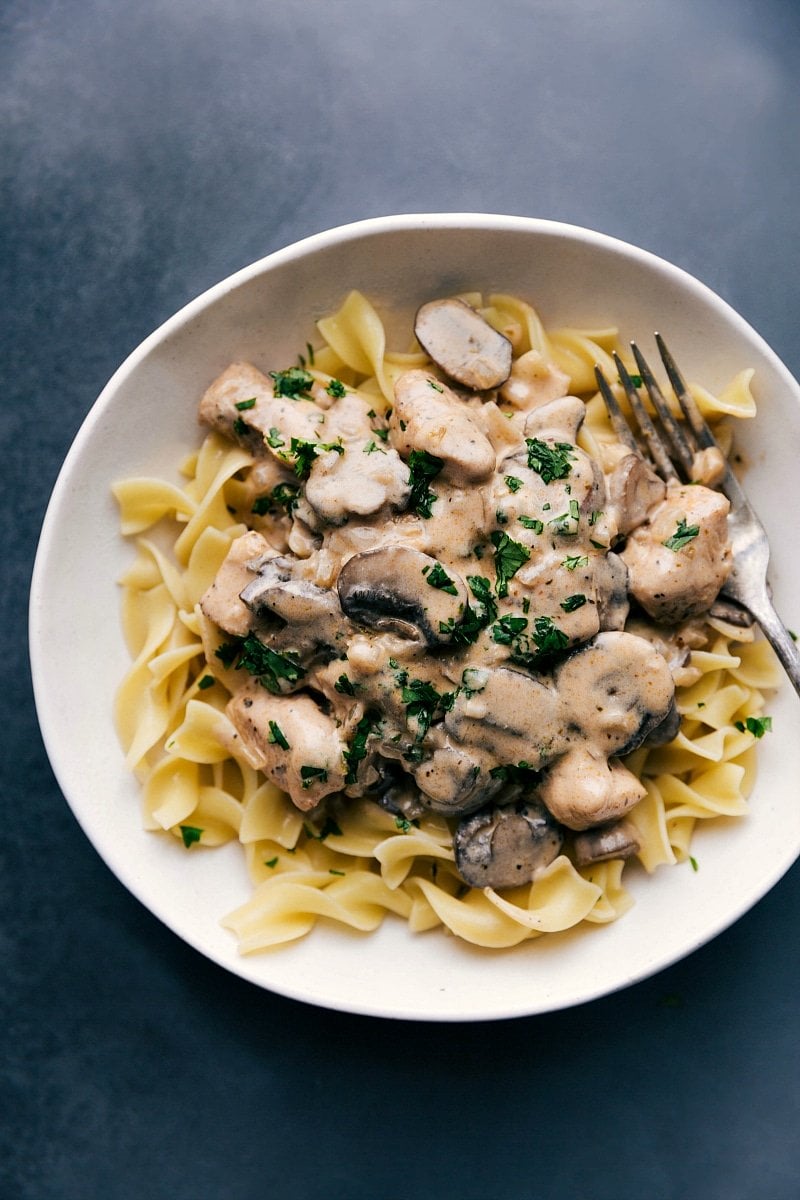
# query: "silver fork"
{"type": "Point", "coordinates": [747, 583]}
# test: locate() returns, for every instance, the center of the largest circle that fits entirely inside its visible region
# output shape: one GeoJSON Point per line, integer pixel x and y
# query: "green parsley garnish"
{"type": "Point", "coordinates": [190, 835]}
{"type": "Point", "coordinates": [508, 628]}
{"type": "Point", "coordinates": [206, 682]}
{"type": "Point", "coordinates": [310, 775]}
{"type": "Point", "coordinates": [271, 862]}
{"type": "Point", "coordinates": [532, 523]}
{"type": "Point", "coordinates": [575, 560]}
{"type": "Point", "coordinates": [305, 452]}
{"type": "Point", "coordinates": [336, 389]}
{"type": "Point", "coordinates": [509, 556]}
{"type": "Point", "coordinates": [513, 483]}
{"type": "Point", "coordinates": [551, 462]}
{"type": "Point", "coordinates": [345, 686]}
{"type": "Point", "coordinates": [266, 665]}
{"type": "Point", "coordinates": [283, 495]}
{"type": "Point", "coordinates": [422, 467]}
{"type": "Point", "coordinates": [276, 736]}
{"type": "Point", "coordinates": [758, 726]}
{"type": "Point", "coordinates": [240, 427]}
{"type": "Point", "coordinates": [572, 602]}
{"type": "Point", "coordinates": [437, 387]}
{"type": "Point", "coordinates": [242, 405]}
{"type": "Point", "coordinates": [437, 577]}
{"type": "Point", "coordinates": [357, 751]}
{"type": "Point", "coordinates": [275, 439]}
{"type": "Point", "coordinates": [329, 828]}
{"type": "Point", "coordinates": [521, 772]}
{"type": "Point", "coordinates": [293, 382]}
{"type": "Point", "coordinates": [682, 536]}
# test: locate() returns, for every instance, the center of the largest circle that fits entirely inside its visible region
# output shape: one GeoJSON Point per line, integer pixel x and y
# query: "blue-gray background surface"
{"type": "Point", "coordinates": [148, 149]}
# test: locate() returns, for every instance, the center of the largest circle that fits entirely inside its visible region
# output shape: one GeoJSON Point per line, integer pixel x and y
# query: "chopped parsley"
{"type": "Point", "coordinates": [550, 462]}
{"type": "Point", "coordinates": [260, 661]}
{"type": "Point", "coordinates": [682, 536]}
{"type": "Point", "coordinates": [437, 387]}
{"type": "Point", "coordinates": [437, 577]}
{"type": "Point", "coordinates": [275, 439]}
{"type": "Point", "coordinates": [294, 382]}
{"type": "Point", "coordinates": [357, 751]}
{"type": "Point", "coordinates": [190, 834]}
{"type": "Point", "coordinates": [467, 631]}
{"type": "Point", "coordinates": [423, 467]}
{"type": "Point", "coordinates": [508, 628]}
{"type": "Point", "coordinates": [243, 405]}
{"type": "Point", "coordinates": [404, 825]}
{"type": "Point", "coordinates": [276, 736]}
{"type": "Point", "coordinates": [345, 686]}
{"type": "Point", "coordinates": [305, 452]}
{"type": "Point", "coordinates": [521, 772]}
{"type": "Point", "coordinates": [336, 389]}
{"type": "Point", "coordinates": [283, 495]}
{"type": "Point", "coordinates": [567, 523]}
{"type": "Point", "coordinates": [532, 523]}
{"type": "Point", "coordinates": [575, 560]}
{"type": "Point", "coordinates": [206, 682]}
{"type": "Point", "coordinates": [271, 862]}
{"type": "Point", "coordinates": [758, 726]}
{"type": "Point", "coordinates": [311, 775]}
{"type": "Point", "coordinates": [572, 602]}
{"type": "Point", "coordinates": [423, 703]}
{"type": "Point", "coordinates": [329, 829]}
{"type": "Point", "coordinates": [509, 556]}
{"type": "Point", "coordinates": [513, 483]}
{"type": "Point", "coordinates": [500, 517]}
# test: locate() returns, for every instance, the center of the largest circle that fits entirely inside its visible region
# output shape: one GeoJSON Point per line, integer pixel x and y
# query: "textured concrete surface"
{"type": "Point", "coordinates": [147, 150]}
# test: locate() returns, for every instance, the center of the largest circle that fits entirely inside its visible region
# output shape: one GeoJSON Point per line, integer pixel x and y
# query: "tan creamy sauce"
{"type": "Point", "coordinates": [429, 610]}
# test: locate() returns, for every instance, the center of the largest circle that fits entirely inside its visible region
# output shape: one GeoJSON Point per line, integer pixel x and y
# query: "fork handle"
{"type": "Point", "coordinates": [777, 635]}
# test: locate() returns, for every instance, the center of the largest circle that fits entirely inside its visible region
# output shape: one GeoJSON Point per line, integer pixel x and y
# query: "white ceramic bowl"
{"type": "Point", "coordinates": [143, 422]}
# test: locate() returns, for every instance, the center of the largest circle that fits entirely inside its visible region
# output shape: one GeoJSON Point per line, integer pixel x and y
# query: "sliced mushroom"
{"type": "Point", "coordinates": [618, 688]}
{"type": "Point", "coordinates": [400, 590]}
{"type": "Point", "coordinates": [311, 614]}
{"type": "Point", "coordinates": [633, 489]}
{"type": "Point", "coordinates": [619, 840]}
{"type": "Point", "coordinates": [455, 781]}
{"type": "Point", "coordinates": [506, 846]}
{"type": "Point", "coordinates": [611, 581]}
{"type": "Point", "coordinates": [463, 344]}
{"type": "Point", "coordinates": [559, 419]}
{"type": "Point", "coordinates": [514, 717]}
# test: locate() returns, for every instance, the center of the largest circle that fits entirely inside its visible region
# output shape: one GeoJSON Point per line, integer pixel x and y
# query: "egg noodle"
{"type": "Point", "coordinates": [359, 861]}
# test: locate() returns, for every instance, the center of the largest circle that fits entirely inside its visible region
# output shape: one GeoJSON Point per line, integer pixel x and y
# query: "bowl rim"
{"type": "Point", "coordinates": [306, 246]}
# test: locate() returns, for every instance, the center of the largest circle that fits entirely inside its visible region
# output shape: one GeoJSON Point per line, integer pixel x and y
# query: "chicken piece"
{"type": "Point", "coordinates": [221, 602]}
{"type": "Point", "coordinates": [533, 382]}
{"type": "Point", "coordinates": [292, 741]}
{"type": "Point", "coordinates": [428, 416]}
{"type": "Point", "coordinates": [268, 424]}
{"type": "Point", "coordinates": [680, 558]}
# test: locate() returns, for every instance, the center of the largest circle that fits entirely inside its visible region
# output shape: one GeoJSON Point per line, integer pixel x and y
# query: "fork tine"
{"type": "Point", "coordinates": [680, 446]}
{"type": "Point", "coordinates": [649, 431]}
{"type": "Point", "coordinates": [621, 426]}
{"type": "Point", "coordinates": [686, 400]}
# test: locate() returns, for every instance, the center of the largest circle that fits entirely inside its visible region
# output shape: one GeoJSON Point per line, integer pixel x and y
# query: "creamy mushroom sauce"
{"type": "Point", "coordinates": [430, 608]}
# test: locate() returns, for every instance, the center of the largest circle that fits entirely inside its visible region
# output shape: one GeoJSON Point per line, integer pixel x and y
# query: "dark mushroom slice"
{"type": "Point", "coordinates": [463, 344]}
{"type": "Point", "coordinates": [455, 781]}
{"type": "Point", "coordinates": [397, 589]}
{"type": "Point", "coordinates": [507, 845]}
{"type": "Point", "coordinates": [633, 489]}
{"type": "Point", "coordinates": [619, 840]}
{"type": "Point", "coordinates": [311, 614]}
{"type": "Point", "coordinates": [514, 717]}
{"type": "Point", "coordinates": [611, 581]}
{"type": "Point", "coordinates": [618, 688]}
